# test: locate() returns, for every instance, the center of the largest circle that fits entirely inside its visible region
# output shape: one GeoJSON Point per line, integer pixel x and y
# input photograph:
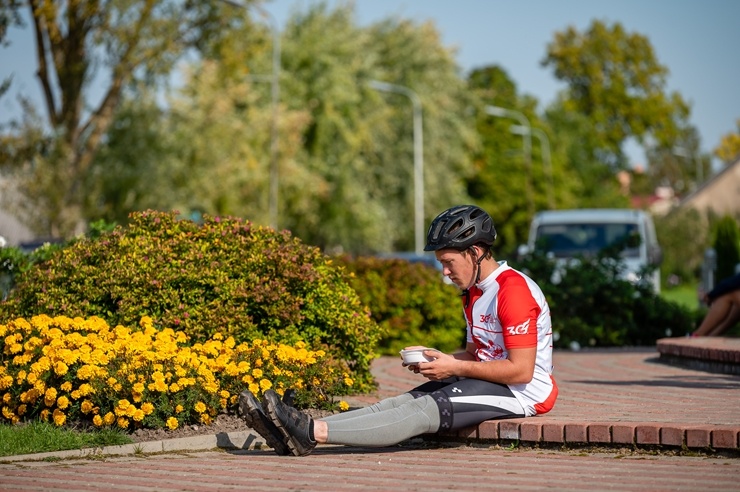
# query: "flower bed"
{"type": "Point", "coordinates": [81, 369]}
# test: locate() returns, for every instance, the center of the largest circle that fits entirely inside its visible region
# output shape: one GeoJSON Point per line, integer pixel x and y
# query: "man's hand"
{"type": "Point", "coordinates": [442, 367]}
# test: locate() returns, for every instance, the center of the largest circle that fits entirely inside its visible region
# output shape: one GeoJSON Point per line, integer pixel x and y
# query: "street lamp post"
{"type": "Point", "coordinates": [546, 160]}
{"type": "Point", "coordinates": [275, 96]}
{"type": "Point", "coordinates": [526, 141]}
{"type": "Point", "coordinates": [418, 158]}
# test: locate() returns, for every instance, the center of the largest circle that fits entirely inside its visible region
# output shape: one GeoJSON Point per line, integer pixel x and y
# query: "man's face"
{"type": "Point", "coordinates": [458, 266]}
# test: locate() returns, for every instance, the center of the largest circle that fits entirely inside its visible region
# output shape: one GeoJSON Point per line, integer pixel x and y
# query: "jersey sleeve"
{"type": "Point", "coordinates": [517, 311]}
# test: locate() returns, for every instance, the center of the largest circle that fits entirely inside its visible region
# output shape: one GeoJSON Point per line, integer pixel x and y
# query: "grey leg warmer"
{"type": "Point", "coordinates": [385, 427]}
{"type": "Point", "coordinates": [381, 406]}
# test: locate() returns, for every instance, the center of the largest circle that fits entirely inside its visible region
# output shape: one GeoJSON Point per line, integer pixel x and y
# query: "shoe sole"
{"type": "Point", "coordinates": [295, 447]}
{"type": "Point", "coordinates": [256, 419]}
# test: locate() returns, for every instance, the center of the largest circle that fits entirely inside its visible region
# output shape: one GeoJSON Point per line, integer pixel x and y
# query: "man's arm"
{"type": "Point", "coordinates": [518, 368]}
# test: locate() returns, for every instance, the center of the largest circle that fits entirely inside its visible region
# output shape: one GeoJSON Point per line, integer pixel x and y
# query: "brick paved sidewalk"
{"type": "Point", "coordinates": [615, 396]}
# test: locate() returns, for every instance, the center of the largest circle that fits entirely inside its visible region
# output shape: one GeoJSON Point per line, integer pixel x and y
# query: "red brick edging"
{"type": "Point", "coordinates": [533, 430]}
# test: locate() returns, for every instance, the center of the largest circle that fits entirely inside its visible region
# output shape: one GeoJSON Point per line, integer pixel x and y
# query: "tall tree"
{"type": "Point", "coordinates": [358, 145]}
{"type": "Point", "coordinates": [110, 43]}
{"type": "Point", "coordinates": [728, 149]}
{"type": "Point", "coordinates": [615, 79]}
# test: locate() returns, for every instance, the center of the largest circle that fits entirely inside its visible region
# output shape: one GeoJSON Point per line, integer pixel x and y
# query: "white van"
{"type": "Point", "coordinates": [567, 234]}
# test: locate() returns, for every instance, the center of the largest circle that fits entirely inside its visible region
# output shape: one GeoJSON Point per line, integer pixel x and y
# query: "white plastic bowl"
{"type": "Point", "coordinates": [414, 356]}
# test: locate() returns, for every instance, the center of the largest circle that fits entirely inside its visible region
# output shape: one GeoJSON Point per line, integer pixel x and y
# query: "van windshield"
{"type": "Point", "coordinates": [570, 240]}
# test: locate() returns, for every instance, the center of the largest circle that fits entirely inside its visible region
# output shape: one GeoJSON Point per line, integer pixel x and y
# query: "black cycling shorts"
{"type": "Point", "coordinates": [466, 402]}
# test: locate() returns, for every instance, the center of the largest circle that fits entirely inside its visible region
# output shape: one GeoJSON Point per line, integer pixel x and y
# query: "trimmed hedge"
{"type": "Point", "coordinates": [410, 302]}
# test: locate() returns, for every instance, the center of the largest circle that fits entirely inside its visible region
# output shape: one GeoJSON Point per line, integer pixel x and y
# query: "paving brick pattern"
{"type": "Point", "coordinates": [412, 468]}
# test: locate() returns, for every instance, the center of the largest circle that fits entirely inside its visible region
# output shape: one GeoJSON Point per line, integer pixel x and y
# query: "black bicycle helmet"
{"type": "Point", "coordinates": [459, 228]}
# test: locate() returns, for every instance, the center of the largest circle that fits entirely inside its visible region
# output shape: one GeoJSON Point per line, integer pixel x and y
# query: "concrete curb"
{"type": "Point", "coordinates": [244, 440]}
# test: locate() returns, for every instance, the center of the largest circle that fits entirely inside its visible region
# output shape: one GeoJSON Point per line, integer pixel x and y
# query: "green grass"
{"type": "Point", "coordinates": [42, 437]}
{"type": "Point", "coordinates": [684, 295]}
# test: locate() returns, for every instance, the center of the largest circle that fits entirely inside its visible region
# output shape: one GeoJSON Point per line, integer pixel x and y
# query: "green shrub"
{"type": "Point", "coordinates": [222, 276]}
{"type": "Point", "coordinates": [727, 245]}
{"type": "Point", "coordinates": [410, 302]}
{"type": "Point", "coordinates": [592, 306]}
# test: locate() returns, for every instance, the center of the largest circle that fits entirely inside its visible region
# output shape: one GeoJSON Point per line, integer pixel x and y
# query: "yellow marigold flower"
{"type": "Point", "coordinates": [139, 415]}
{"type": "Point", "coordinates": [231, 369]}
{"type": "Point", "coordinates": [45, 414]}
{"type": "Point", "coordinates": [257, 373]}
{"type": "Point", "coordinates": [320, 353]}
{"type": "Point", "coordinates": [343, 406]}
{"type": "Point", "coordinates": [21, 410]}
{"type": "Point", "coordinates": [20, 376]}
{"type": "Point", "coordinates": [97, 421]}
{"type": "Point", "coordinates": [86, 389]}
{"type": "Point", "coordinates": [32, 378]}
{"type": "Point", "coordinates": [258, 363]}
{"type": "Point", "coordinates": [62, 402]}
{"type": "Point", "coordinates": [66, 386]}
{"type": "Point", "coordinates": [7, 397]}
{"type": "Point", "coordinates": [59, 417]}
{"type": "Point", "coordinates": [6, 382]}
{"type": "Point", "coordinates": [211, 387]}
{"type": "Point", "coordinates": [174, 388]}
{"type": "Point", "coordinates": [147, 408]}
{"type": "Point", "coordinates": [60, 368]}
{"type": "Point", "coordinates": [247, 379]}
{"type": "Point", "coordinates": [136, 397]}
{"type": "Point", "coordinates": [86, 406]}
{"type": "Point", "coordinates": [348, 381]}
{"type": "Point", "coordinates": [138, 388]}
{"type": "Point", "coordinates": [205, 418]}
{"type": "Point", "coordinates": [112, 381]}
{"type": "Point", "coordinates": [265, 385]}
{"type": "Point", "coordinates": [51, 394]}
{"type": "Point", "coordinates": [16, 348]}
{"type": "Point", "coordinates": [8, 413]}
{"type": "Point", "coordinates": [179, 409]}
{"type": "Point", "coordinates": [172, 423]}
{"type": "Point", "coordinates": [224, 394]}
{"type": "Point", "coordinates": [200, 407]}
{"type": "Point", "coordinates": [254, 388]}
{"type": "Point", "coordinates": [109, 418]}
{"type": "Point", "coordinates": [122, 422]}
{"type": "Point", "coordinates": [223, 402]}
{"type": "Point", "coordinates": [131, 411]}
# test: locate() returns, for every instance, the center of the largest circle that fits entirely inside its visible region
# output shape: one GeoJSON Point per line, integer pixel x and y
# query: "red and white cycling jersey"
{"type": "Point", "coordinates": [508, 310]}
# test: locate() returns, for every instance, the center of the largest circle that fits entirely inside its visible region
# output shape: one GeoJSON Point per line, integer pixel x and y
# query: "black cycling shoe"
{"type": "Point", "coordinates": [293, 423]}
{"type": "Point", "coordinates": [254, 415]}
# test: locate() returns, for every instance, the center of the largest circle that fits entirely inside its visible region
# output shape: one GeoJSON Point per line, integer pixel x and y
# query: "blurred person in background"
{"type": "Point", "coordinates": [724, 308]}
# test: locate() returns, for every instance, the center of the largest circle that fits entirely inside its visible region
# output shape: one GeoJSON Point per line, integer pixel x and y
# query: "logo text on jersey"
{"type": "Point", "coordinates": [521, 329]}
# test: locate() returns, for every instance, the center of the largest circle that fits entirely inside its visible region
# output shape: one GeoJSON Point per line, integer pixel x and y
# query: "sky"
{"type": "Point", "coordinates": [697, 40]}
